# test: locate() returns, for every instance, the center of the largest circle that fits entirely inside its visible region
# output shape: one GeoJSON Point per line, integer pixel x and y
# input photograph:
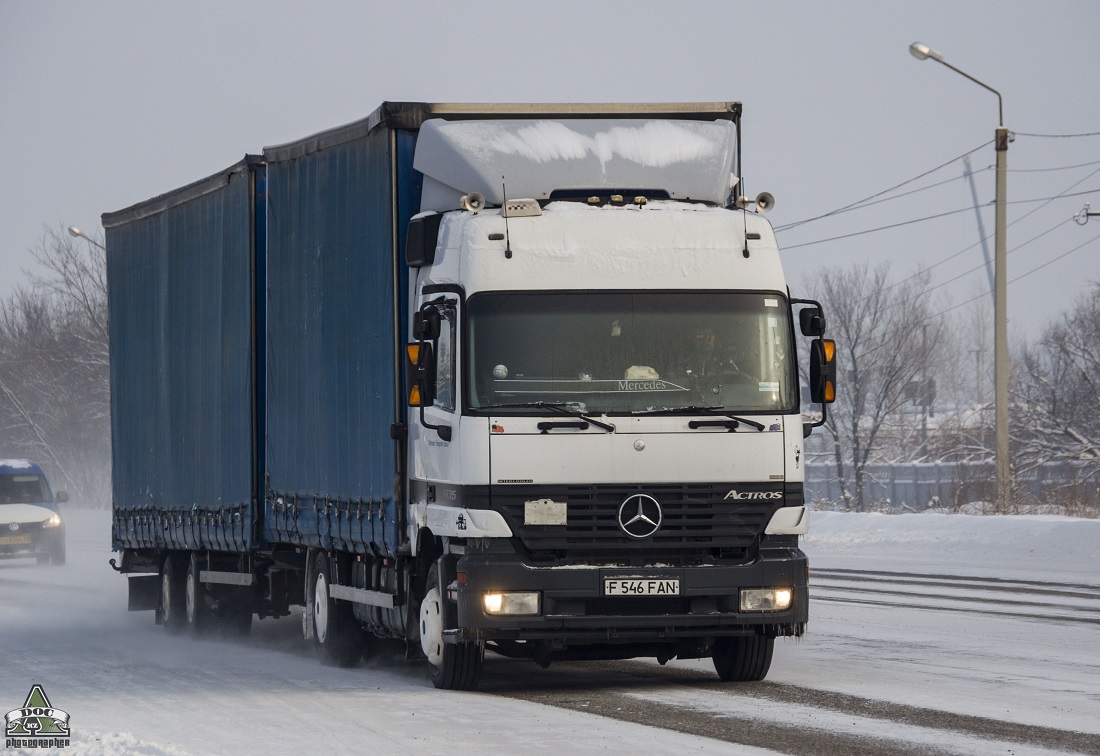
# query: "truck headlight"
{"type": "Point", "coordinates": [53, 522]}
{"type": "Point", "coordinates": [511, 603]}
{"type": "Point", "coordinates": [765, 599]}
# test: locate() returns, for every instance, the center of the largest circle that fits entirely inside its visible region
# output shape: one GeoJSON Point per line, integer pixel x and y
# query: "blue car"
{"type": "Point", "coordinates": [30, 519]}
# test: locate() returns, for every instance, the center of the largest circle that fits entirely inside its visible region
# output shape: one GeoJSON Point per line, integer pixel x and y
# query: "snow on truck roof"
{"type": "Point", "coordinates": [687, 159]}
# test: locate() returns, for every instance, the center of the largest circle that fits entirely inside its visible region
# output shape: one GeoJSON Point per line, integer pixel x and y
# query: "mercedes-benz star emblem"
{"type": "Point", "coordinates": [640, 516]}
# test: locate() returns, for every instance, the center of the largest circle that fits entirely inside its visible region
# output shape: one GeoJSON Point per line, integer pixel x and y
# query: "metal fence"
{"type": "Point", "coordinates": [917, 486]}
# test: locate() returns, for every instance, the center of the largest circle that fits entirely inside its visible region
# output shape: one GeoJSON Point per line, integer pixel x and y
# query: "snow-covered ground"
{"type": "Point", "coordinates": [130, 688]}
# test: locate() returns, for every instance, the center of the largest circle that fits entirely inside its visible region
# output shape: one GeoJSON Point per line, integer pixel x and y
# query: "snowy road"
{"type": "Point", "coordinates": [925, 660]}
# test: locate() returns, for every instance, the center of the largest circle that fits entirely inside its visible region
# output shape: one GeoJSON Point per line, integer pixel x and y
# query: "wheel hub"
{"type": "Point", "coordinates": [431, 627]}
{"type": "Point", "coordinates": [165, 597]}
{"type": "Point", "coordinates": [320, 609]}
{"type": "Point", "coordinates": [189, 594]}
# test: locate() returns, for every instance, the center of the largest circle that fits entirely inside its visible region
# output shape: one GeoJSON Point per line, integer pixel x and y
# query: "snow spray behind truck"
{"type": "Point", "coordinates": [518, 378]}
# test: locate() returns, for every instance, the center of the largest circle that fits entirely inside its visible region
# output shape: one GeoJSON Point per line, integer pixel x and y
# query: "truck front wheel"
{"type": "Point", "coordinates": [337, 638]}
{"type": "Point", "coordinates": [453, 666]}
{"type": "Point", "coordinates": [744, 658]}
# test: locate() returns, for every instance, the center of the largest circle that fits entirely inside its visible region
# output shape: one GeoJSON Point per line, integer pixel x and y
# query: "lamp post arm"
{"type": "Point", "coordinates": [74, 231]}
{"type": "Point", "coordinates": [1000, 102]}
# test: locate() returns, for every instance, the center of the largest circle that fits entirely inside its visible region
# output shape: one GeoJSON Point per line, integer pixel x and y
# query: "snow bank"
{"type": "Point", "coordinates": [1044, 547]}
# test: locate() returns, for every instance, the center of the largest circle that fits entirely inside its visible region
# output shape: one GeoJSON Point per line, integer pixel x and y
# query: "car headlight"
{"type": "Point", "coordinates": [53, 522]}
{"type": "Point", "coordinates": [511, 603]}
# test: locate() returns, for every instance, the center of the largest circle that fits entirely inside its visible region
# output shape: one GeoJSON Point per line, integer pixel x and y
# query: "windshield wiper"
{"type": "Point", "coordinates": [561, 407]}
{"type": "Point", "coordinates": [718, 411]}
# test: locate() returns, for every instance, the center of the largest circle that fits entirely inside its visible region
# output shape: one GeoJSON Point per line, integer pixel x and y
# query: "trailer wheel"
{"type": "Point", "coordinates": [199, 617]}
{"type": "Point", "coordinates": [337, 638]}
{"type": "Point", "coordinates": [453, 666]}
{"type": "Point", "coordinates": [743, 658]}
{"type": "Point", "coordinates": [172, 601]}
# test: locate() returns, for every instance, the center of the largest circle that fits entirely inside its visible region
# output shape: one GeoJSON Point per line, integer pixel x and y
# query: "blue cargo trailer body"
{"type": "Point", "coordinates": [334, 360]}
{"type": "Point", "coordinates": [180, 285]}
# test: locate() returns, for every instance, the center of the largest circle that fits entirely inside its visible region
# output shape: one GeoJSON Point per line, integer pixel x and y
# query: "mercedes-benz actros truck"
{"type": "Point", "coordinates": [510, 378]}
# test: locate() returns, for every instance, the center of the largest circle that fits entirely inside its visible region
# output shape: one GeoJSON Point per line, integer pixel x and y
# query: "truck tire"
{"type": "Point", "coordinates": [337, 637]}
{"type": "Point", "coordinates": [743, 658]}
{"type": "Point", "coordinates": [452, 666]}
{"type": "Point", "coordinates": [198, 614]}
{"type": "Point", "coordinates": [172, 603]}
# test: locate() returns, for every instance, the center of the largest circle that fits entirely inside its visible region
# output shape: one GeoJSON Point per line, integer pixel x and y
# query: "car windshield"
{"type": "Point", "coordinates": [22, 488]}
{"type": "Point", "coordinates": [631, 352]}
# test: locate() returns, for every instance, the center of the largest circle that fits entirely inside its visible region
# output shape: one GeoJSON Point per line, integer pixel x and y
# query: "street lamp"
{"type": "Point", "coordinates": [1000, 297]}
{"type": "Point", "coordinates": [74, 231]}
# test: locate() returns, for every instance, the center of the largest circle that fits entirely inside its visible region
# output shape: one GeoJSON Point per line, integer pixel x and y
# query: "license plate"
{"type": "Point", "coordinates": [643, 587]}
{"type": "Point", "coordinates": [11, 540]}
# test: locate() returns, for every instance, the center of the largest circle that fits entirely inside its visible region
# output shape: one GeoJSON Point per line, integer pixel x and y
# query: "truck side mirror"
{"type": "Point", "coordinates": [823, 371]}
{"type": "Point", "coordinates": [421, 240]}
{"type": "Point", "coordinates": [426, 324]}
{"type": "Point", "coordinates": [811, 321]}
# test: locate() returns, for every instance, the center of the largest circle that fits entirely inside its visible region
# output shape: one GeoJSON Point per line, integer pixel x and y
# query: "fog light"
{"type": "Point", "coordinates": [511, 603]}
{"type": "Point", "coordinates": [765, 599]}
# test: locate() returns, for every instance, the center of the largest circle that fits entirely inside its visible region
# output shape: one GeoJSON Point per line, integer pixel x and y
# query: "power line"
{"type": "Point", "coordinates": [989, 236]}
{"type": "Point", "coordinates": [935, 315]}
{"type": "Point", "coordinates": [1055, 259]}
{"type": "Point", "coordinates": [940, 285]}
{"type": "Point", "coordinates": [866, 204]}
{"type": "Point", "coordinates": [924, 292]}
{"type": "Point", "coordinates": [880, 228]}
{"type": "Point", "coordinates": [885, 191]}
{"type": "Point", "coordinates": [933, 217]}
{"type": "Point", "coordinates": [1057, 136]}
{"type": "Point", "coordinates": [1022, 275]}
{"type": "Point", "coordinates": [1047, 170]}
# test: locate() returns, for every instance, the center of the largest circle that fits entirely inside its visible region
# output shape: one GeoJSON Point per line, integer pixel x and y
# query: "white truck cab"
{"type": "Point", "coordinates": [606, 437]}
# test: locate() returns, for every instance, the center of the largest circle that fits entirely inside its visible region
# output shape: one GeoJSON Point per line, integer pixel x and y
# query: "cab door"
{"type": "Point", "coordinates": [434, 427]}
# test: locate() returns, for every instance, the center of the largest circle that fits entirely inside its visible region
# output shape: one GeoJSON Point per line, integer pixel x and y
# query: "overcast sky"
{"type": "Point", "coordinates": [108, 103]}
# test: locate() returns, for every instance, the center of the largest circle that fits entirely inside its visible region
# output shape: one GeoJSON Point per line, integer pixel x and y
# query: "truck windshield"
{"type": "Point", "coordinates": [631, 352]}
{"type": "Point", "coordinates": [19, 489]}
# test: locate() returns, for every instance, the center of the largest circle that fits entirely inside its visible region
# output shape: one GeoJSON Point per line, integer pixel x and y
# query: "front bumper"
{"type": "Point", "coordinates": [31, 540]}
{"type": "Point", "coordinates": [574, 609]}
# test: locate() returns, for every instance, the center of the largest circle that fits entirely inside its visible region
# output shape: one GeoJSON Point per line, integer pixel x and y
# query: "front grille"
{"type": "Point", "coordinates": [699, 526]}
{"type": "Point", "coordinates": [32, 529]}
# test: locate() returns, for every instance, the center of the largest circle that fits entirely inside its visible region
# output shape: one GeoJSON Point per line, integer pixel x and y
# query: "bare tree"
{"type": "Point", "coordinates": [54, 368]}
{"type": "Point", "coordinates": [1058, 391]}
{"type": "Point", "coordinates": [884, 355]}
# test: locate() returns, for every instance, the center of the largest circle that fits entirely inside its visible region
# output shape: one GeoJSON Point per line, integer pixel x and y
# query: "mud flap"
{"type": "Point", "coordinates": [144, 593]}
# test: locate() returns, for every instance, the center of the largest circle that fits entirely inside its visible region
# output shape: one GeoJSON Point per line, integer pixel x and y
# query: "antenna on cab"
{"type": "Point", "coordinates": [507, 238]}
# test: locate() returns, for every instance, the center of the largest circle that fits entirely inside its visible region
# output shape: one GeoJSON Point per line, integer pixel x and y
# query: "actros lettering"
{"type": "Point", "coordinates": [754, 495]}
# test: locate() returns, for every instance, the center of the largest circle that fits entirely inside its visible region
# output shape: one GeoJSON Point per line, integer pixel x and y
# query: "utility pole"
{"type": "Point", "coordinates": [1005, 484]}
